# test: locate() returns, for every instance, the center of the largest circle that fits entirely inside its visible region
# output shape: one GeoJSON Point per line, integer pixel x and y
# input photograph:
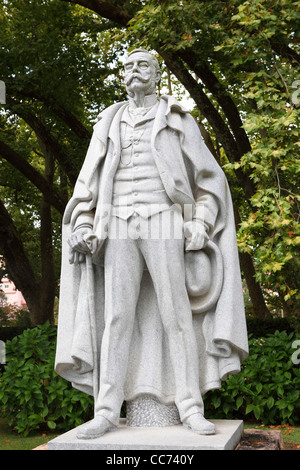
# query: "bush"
{"type": "Point", "coordinates": [258, 327]}
{"type": "Point", "coordinates": [11, 315]}
{"type": "Point", "coordinates": [32, 395]}
{"type": "Point", "coordinates": [9, 332]}
{"type": "Point", "coordinates": [268, 387]}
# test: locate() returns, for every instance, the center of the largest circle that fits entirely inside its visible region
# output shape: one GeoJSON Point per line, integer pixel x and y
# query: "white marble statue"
{"type": "Point", "coordinates": [151, 301]}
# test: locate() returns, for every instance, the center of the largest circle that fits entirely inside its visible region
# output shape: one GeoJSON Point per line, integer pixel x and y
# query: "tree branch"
{"type": "Point", "coordinates": [46, 137]}
{"type": "Point", "coordinates": [215, 120]}
{"type": "Point", "coordinates": [201, 69]}
{"type": "Point", "coordinates": [32, 175]}
{"type": "Point", "coordinates": [285, 51]}
{"type": "Point", "coordinates": [109, 10]}
{"type": "Point", "coordinates": [61, 111]}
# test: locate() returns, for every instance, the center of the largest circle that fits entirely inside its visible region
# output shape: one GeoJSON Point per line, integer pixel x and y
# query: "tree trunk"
{"type": "Point", "coordinates": [255, 292]}
{"type": "Point", "coordinates": [247, 267]}
{"type": "Point", "coordinates": [17, 263]}
{"type": "Point", "coordinates": [39, 296]}
{"type": "Point", "coordinates": [47, 284]}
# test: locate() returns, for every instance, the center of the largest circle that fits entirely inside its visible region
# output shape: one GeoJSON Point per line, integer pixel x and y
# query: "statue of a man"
{"type": "Point", "coordinates": [151, 298]}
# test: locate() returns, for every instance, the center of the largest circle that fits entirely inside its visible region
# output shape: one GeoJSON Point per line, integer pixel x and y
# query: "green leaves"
{"type": "Point", "coordinates": [239, 402]}
{"type": "Point", "coordinates": [61, 68]}
{"type": "Point", "coordinates": [267, 388]}
{"type": "Point", "coordinates": [59, 58]}
{"type": "Point", "coordinates": [32, 396]}
{"type": "Point", "coordinates": [270, 231]}
{"type": "Point", "coordinates": [249, 47]}
{"type": "Point", "coordinates": [270, 403]}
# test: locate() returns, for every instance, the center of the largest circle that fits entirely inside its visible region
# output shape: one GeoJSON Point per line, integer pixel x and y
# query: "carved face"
{"type": "Point", "coordinates": [140, 74]}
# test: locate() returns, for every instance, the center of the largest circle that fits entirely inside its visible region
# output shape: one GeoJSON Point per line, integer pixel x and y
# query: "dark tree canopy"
{"type": "Point", "coordinates": [239, 62]}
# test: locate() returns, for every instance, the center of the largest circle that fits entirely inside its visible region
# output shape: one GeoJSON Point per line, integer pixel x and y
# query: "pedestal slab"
{"type": "Point", "coordinates": [178, 438]}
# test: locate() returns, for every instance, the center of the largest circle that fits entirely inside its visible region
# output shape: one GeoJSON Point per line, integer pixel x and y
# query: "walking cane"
{"type": "Point", "coordinates": [92, 314]}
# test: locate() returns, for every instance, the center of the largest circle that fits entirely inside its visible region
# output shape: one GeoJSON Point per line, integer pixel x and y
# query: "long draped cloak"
{"type": "Point", "coordinates": [189, 172]}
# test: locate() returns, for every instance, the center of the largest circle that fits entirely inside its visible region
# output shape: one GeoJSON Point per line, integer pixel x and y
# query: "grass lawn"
{"type": "Point", "coordinates": [10, 440]}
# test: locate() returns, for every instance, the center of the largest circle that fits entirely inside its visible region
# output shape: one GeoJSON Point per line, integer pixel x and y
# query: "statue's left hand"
{"type": "Point", "coordinates": [196, 236]}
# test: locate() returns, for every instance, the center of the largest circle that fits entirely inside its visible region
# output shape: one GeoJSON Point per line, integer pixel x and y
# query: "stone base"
{"type": "Point", "coordinates": [178, 438]}
{"type": "Point", "coordinates": [147, 411]}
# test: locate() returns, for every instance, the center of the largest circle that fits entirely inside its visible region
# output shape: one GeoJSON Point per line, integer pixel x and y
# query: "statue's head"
{"type": "Point", "coordinates": [142, 72]}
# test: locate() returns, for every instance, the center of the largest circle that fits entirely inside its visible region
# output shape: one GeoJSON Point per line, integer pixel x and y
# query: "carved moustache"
{"type": "Point", "coordinates": [133, 76]}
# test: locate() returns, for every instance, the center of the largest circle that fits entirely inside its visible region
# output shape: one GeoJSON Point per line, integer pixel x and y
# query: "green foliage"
{"type": "Point", "coordinates": [249, 46]}
{"type": "Point", "coordinates": [267, 388]}
{"type": "Point", "coordinates": [32, 395]}
{"type": "Point", "coordinates": [60, 59]}
{"type": "Point", "coordinates": [11, 315]}
{"type": "Point", "coordinates": [60, 69]}
{"type": "Point", "coordinates": [270, 231]}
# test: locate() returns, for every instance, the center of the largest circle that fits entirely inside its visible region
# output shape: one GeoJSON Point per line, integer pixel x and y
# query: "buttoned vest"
{"type": "Point", "coordinates": [137, 184]}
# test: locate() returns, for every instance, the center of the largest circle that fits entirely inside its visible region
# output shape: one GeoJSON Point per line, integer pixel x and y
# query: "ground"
{"type": "Point", "coordinates": [10, 440]}
{"type": "Point", "coordinates": [290, 434]}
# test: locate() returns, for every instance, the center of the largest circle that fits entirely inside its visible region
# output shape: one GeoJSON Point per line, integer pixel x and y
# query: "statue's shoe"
{"type": "Point", "coordinates": [198, 424]}
{"type": "Point", "coordinates": [95, 428]}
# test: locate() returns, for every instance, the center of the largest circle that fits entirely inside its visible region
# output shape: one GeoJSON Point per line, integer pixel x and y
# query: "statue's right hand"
{"type": "Point", "coordinates": [78, 246]}
{"type": "Point", "coordinates": [77, 240]}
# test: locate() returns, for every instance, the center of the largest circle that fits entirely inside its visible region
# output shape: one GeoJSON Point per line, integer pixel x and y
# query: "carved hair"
{"type": "Point", "coordinates": [154, 59]}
